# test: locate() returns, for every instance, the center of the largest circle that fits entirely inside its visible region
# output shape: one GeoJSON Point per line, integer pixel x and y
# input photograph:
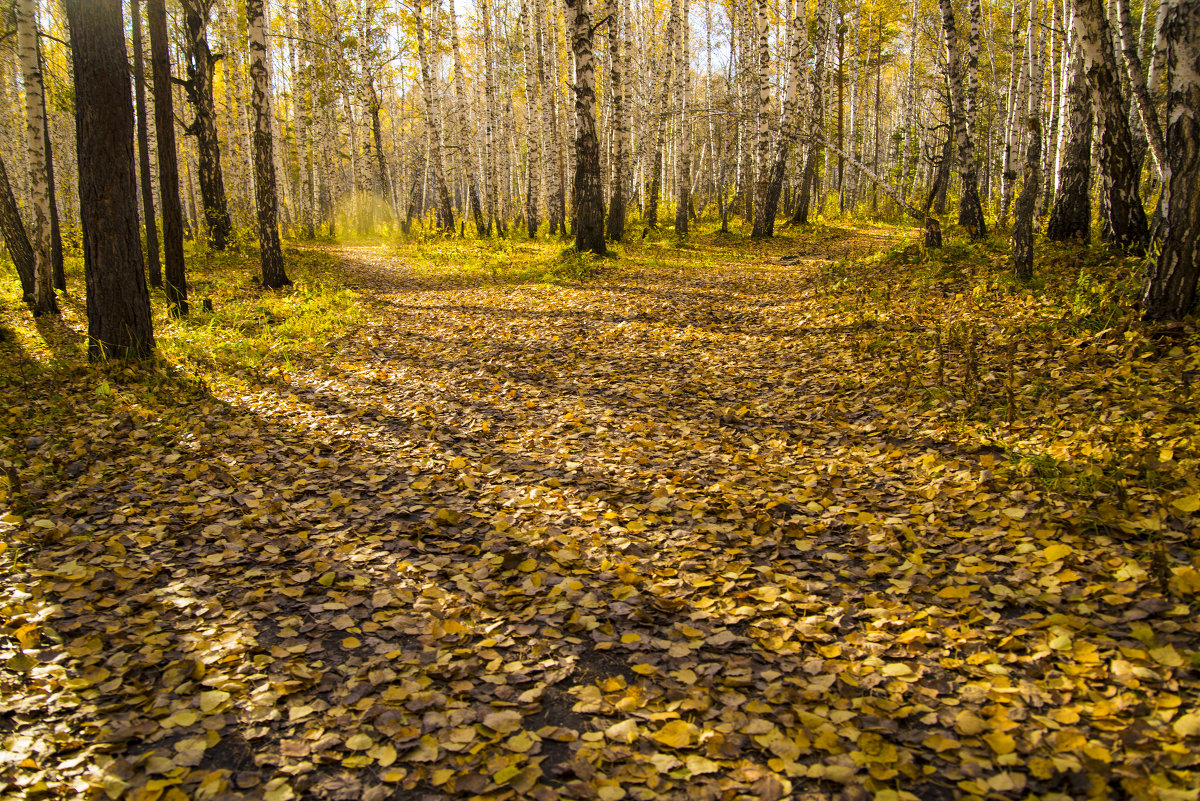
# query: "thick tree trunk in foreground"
{"type": "Point", "coordinates": [1120, 200]}
{"type": "Point", "coordinates": [118, 304]}
{"type": "Point", "coordinates": [266, 199]}
{"type": "Point", "coordinates": [1023, 224]}
{"type": "Point", "coordinates": [589, 195]}
{"type": "Point", "coordinates": [199, 88]}
{"type": "Point", "coordinates": [970, 210]}
{"type": "Point", "coordinates": [15, 237]}
{"type": "Point", "coordinates": [44, 300]}
{"type": "Point", "coordinates": [175, 280]}
{"type": "Point", "coordinates": [149, 219]}
{"type": "Point", "coordinates": [1071, 214]}
{"type": "Point", "coordinates": [1171, 281]}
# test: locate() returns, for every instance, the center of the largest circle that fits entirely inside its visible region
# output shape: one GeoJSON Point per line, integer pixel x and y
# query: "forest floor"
{"type": "Point", "coordinates": [822, 518]}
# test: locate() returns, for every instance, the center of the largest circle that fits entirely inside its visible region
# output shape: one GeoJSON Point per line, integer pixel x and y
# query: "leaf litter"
{"type": "Point", "coordinates": [715, 524]}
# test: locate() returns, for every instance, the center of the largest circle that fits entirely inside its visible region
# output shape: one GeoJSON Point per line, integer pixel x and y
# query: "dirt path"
{"type": "Point", "coordinates": [662, 534]}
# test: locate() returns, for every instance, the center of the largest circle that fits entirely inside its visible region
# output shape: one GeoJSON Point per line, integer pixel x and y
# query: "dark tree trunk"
{"type": "Point", "coordinates": [143, 140]}
{"type": "Point", "coordinates": [1171, 281]}
{"type": "Point", "coordinates": [589, 195]}
{"type": "Point", "coordinates": [15, 237]}
{"type": "Point", "coordinates": [265, 194]}
{"type": "Point", "coordinates": [1071, 214]}
{"type": "Point", "coordinates": [1120, 200]}
{"type": "Point", "coordinates": [1023, 224]}
{"type": "Point", "coordinates": [175, 281]}
{"type": "Point", "coordinates": [199, 88]}
{"type": "Point", "coordinates": [616, 203]}
{"type": "Point", "coordinates": [118, 304]}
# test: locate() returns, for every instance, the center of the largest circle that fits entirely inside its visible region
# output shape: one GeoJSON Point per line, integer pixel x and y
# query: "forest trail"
{"type": "Point", "coordinates": [677, 531]}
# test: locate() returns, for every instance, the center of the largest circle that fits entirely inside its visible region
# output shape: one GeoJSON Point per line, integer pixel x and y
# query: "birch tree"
{"type": "Point", "coordinates": [274, 274]}
{"type": "Point", "coordinates": [589, 194]}
{"type": "Point", "coordinates": [1170, 290]}
{"type": "Point", "coordinates": [1121, 202]}
{"type": "Point", "coordinates": [44, 300]}
{"type": "Point", "coordinates": [970, 209]}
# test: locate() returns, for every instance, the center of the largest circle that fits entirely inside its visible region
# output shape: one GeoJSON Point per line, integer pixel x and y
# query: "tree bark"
{"type": "Point", "coordinates": [589, 194]}
{"type": "Point", "coordinates": [15, 237]}
{"type": "Point", "coordinates": [175, 280]}
{"type": "Point", "coordinates": [466, 155]}
{"type": "Point", "coordinates": [266, 199]}
{"type": "Point", "coordinates": [1121, 203]}
{"type": "Point", "coordinates": [149, 218]}
{"type": "Point", "coordinates": [533, 156]}
{"type": "Point", "coordinates": [816, 112]}
{"type": "Point", "coordinates": [768, 204]}
{"type": "Point", "coordinates": [118, 304]}
{"type": "Point", "coordinates": [683, 149]}
{"type": "Point", "coordinates": [620, 123]}
{"type": "Point", "coordinates": [763, 114]}
{"type": "Point", "coordinates": [445, 212]}
{"type": "Point", "coordinates": [1022, 257]}
{"type": "Point", "coordinates": [1137, 83]}
{"type": "Point", "coordinates": [199, 88]}
{"type": "Point", "coordinates": [44, 299]}
{"type": "Point", "coordinates": [970, 210]}
{"type": "Point", "coordinates": [1071, 214]}
{"type": "Point", "coordinates": [1170, 291]}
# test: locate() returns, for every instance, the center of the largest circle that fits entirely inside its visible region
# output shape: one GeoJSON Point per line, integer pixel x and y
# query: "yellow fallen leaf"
{"type": "Point", "coordinates": [1000, 742]}
{"type": "Point", "coordinates": [1187, 725]}
{"type": "Point", "coordinates": [359, 742]}
{"type": "Point", "coordinates": [896, 669]}
{"type": "Point", "coordinates": [1188, 503]}
{"type": "Point", "coordinates": [504, 721]}
{"type": "Point", "coordinates": [698, 765]}
{"type": "Point", "coordinates": [677, 734]}
{"type": "Point", "coordinates": [1166, 655]}
{"type": "Point", "coordinates": [211, 700]}
{"type": "Point", "coordinates": [1053, 553]}
{"type": "Point", "coordinates": [624, 732]}
{"type": "Point", "coordinates": [969, 723]}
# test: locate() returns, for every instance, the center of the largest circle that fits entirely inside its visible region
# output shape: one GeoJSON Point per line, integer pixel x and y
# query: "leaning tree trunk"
{"type": "Point", "coordinates": [1023, 224]}
{"type": "Point", "coordinates": [1071, 214]}
{"type": "Point", "coordinates": [199, 88]}
{"type": "Point", "coordinates": [970, 210]}
{"type": "Point", "coordinates": [118, 304]}
{"type": "Point", "coordinates": [1120, 200]}
{"type": "Point", "coordinates": [15, 237]}
{"type": "Point", "coordinates": [143, 141]}
{"type": "Point", "coordinates": [266, 199]}
{"type": "Point", "coordinates": [816, 113]}
{"type": "Point", "coordinates": [44, 300]}
{"type": "Point", "coordinates": [1171, 281]}
{"type": "Point", "coordinates": [57, 272]}
{"type": "Point", "coordinates": [589, 194]}
{"type": "Point", "coordinates": [175, 282]}
{"type": "Point", "coordinates": [1137, 83]}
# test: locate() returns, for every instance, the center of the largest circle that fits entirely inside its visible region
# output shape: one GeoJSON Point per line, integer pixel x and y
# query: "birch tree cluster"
{"type": "Point", "coordinates": [1069, 118]}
